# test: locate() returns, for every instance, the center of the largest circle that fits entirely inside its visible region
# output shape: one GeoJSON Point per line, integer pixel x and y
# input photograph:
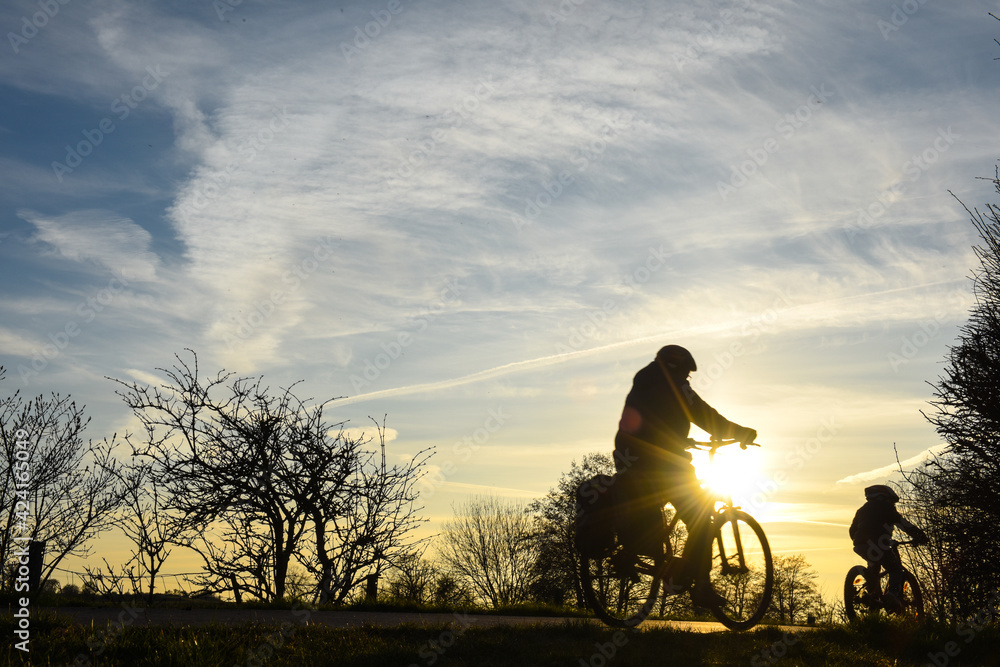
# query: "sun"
{"type": "Point", "coordinates": [734, 472]}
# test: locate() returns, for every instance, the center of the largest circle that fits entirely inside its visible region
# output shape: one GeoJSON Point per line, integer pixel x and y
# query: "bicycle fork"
{"type": "Point", "coordinates": [726, 566]}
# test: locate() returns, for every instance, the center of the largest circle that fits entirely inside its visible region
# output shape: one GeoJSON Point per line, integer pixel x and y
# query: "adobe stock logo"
{"type": "Point", "coordinates": [59, 340]}
{"type": "Point", "coordinates": [372, 29]}
{"type": "Point", "coordinates": [901, 13]}
{"type": "Point", "coordinates": [784, 129]}
{"type": "Point", "coordinates": [911, 171]}
{"type": "Point", "coordinates": [48, 9]}
{"type": "Point", "coordinates": [585, 155]}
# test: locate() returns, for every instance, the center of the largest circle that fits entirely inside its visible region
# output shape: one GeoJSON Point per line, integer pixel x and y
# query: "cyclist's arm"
{"type": "Point", "coordinates": [708, 419]}
{"type": "Point", "coordinates": [912, 530]}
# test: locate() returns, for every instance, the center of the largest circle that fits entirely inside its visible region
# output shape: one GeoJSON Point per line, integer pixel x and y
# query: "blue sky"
{"type": "Point", "coordinates": [480, 219]}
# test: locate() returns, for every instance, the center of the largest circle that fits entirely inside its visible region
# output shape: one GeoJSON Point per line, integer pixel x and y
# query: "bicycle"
{"type": "Point", "coordinates": [623, 594]}
{"type": "Point", "coordinates": [858, 600]}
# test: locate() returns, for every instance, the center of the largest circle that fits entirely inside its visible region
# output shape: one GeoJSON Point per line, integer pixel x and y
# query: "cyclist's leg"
{"type": "Point", "coordinates": [894, 567]}
{"type": "Point", "coordinates": [873, 569]}
{"type": "Point", "coordinates": [873, 581]}
{"type": "Point", "coordinates": [694, 506]}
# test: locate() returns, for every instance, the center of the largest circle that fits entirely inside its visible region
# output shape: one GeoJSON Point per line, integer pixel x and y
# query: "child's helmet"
{"type": "Point", "coordinates": [881, 492]}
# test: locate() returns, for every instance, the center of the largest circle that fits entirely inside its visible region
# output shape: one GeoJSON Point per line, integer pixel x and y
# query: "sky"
{"type": "Point", "coordinates": [477, 221]}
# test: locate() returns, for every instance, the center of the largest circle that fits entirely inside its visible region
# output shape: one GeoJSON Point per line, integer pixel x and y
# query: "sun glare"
{"type": "Point", "coordinates": [734, 472]}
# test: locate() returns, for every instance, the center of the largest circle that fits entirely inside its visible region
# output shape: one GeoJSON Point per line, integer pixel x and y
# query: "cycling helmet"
{"type": "Point", "coordinates": [881, 492]}
{"type": "Point", "coordinates": [677, 359]}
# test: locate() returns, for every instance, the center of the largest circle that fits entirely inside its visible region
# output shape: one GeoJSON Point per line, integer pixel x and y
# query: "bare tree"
{"type": "Point", "coordinates": [217, 457]}
{"type": "Point", "coordinates": [53, 487]}
{"type": "Point", "coordinates": [742, 591]}
{"type": "Point", "coordinates": [412, 578]}
{"type": "Point", "coordinates": [148, 525]}
{"type": "Point", "coordinates": [240, 555]}
{"type": "Point", "coordinates": [254, 472]}
{"type": "Point", "coordinates": [300, 584]}
{"type": "Point", "coordinates": [795, 594]}
{"type": "Point", "coordinates": [489, 544]}
{"type": "Point", "coordinates": [107, 580]}
{"type": "Point", "coordinates": [451, 591]}
{"type": "Point", "coordinates": [363, 512]}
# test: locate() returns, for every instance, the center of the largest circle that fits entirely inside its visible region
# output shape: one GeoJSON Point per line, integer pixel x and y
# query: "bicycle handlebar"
{"type": "Point", "coordinates": [713, 445]}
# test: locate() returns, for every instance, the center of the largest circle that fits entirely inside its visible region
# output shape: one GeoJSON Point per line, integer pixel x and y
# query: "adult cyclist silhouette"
{"type": "Point", "coordinates": [654, 466]}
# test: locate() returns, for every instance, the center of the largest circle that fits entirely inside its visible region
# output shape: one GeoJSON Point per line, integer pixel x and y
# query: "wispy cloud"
{"type": "Point", "coordinates": [99, 237]}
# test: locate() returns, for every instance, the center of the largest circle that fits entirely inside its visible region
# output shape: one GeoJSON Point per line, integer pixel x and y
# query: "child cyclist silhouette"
{"type": "Point", "coordinates": [871, 532]}
{"type": "Point", "coordinates": [654, 466]}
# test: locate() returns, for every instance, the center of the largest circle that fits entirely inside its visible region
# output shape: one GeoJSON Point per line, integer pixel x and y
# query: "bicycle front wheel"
{"type": "Point", "coordinates": [912, 598]}
{"type": "Point", "coordinates": [742, 570]}
{"type": "Point", "coordinates": [621, 591]}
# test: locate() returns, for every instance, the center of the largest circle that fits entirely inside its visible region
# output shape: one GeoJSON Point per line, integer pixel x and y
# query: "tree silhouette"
{"type": "Point", "coordinates": [54, 487]}
{"type": "Point", "coordinates": [411, 579]}
{"type": "Point", "coordinates": [557, 567]}
{"type": "Point", "coordinates": [960, 484]}
{"type": "Point", "coordinates": [795, 594]}
{"type": "Point", "coordinates": [146, 522]}
{"type": "Point", "coordinates": [935, 565]}
{"type": "Point", "coordinates": [254, 472]}
{"type": "Point", "coordinates": [489, 545]}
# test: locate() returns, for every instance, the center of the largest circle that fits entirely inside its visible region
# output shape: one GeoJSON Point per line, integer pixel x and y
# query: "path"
{"type": "Point", "coordinates": [337, 619]}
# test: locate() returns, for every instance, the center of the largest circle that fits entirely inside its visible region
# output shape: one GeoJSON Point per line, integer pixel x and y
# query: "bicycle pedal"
{"type": "Point", "coordinates": [671, 588]}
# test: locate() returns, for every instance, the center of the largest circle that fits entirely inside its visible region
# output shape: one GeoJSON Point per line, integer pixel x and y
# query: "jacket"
{"type": "Point", "coordinates": [875, 521]}
{"type": "Point", "coordinates": [660, 409]}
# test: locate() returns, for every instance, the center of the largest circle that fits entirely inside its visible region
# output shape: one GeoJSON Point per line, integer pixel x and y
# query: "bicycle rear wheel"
{"type": "Point", "coordinates": [621, 591]}
{"type": "Point", "coordinates": [742, 570]}
{"type": "Point", "coordinates": [855, 591]}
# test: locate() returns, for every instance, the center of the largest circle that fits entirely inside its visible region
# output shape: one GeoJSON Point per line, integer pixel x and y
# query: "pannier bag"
{"type": "Point", "coordinates": [594, 522]}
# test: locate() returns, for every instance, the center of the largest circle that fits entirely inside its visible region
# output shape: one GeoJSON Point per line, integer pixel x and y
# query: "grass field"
{"type": "Point", "coordinates": [56, 641]}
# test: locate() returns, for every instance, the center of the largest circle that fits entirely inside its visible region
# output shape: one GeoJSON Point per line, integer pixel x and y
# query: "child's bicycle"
{"type": "Point", "coordinates": [741, 570]}
{"type": "Point", "coordinates": [858, 600]}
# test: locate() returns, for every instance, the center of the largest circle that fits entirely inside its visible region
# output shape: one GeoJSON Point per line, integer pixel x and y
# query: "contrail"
{"type": "Point", "coordinates": [484, 489]}
{"type": "Point", "coordinates": [885, 471]}
{"type": "Point", "coordinates": [562, 357]}
{"type": "Point", "coordinates": [489, 373]}
{"type": "Point", "coordinates": [514, 367]}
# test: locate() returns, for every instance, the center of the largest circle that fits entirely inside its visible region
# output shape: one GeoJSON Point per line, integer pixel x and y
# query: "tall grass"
{"type": "Point", "coordinates": [574, 642]}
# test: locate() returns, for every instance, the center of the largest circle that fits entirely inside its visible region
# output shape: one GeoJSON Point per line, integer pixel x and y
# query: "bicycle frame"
{"type": "Point", "coordinates": [718, 515]}
{"type": "Point", "coordinates": [894, 547]}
